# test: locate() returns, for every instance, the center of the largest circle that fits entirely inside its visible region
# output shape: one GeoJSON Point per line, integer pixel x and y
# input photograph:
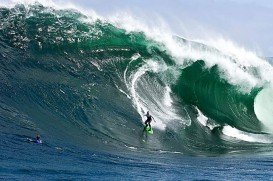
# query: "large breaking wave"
{"type": "Point", "coordinates": [89, 81]}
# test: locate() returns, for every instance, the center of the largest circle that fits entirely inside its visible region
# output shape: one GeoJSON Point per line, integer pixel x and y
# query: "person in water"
{"type": "Point", "coordinates": [148, 121]}
{"type": "Point", "coordinates": [38, 139]}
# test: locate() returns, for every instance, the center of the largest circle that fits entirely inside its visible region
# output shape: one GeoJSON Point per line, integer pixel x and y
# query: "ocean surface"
{"type": "Point", "coordinates": [84, 84]}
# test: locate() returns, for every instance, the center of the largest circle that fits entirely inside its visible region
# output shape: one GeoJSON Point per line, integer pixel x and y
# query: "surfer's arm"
{"type": "Point", "coordinates": [153, 119]}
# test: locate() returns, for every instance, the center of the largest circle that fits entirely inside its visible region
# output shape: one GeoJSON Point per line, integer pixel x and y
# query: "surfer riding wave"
{"type": "Point", "coordinates": [148, 121]}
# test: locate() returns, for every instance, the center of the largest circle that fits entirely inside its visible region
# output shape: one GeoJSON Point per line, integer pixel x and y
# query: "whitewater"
{"type": "Point", "coordinates": [84, 83]}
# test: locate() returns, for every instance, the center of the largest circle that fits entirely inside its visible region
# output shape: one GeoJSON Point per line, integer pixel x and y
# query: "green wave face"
{"type": "Point", "coordinates": [42, 29]}
{"type": "Point", "coordinates": [221, 101]}
{"type": "Point", "coordinates": [71, 77]}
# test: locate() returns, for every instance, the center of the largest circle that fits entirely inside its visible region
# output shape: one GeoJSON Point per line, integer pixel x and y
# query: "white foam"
{"type": "Point", "coordinates": [235, 62]}
{"type": "Point", "coordinates": [96, 65]}
{"type": "Point", "coordinates": [135, 56]}
{"type": "Point", "coordinates": [249, 137]}
{"type": "Point", "coordinates": [172, 152]}
{"type": "Point", "coordinates": [56, 4]}
{"type": "Point", "coordinates": [201, 118]}
{"type": "Point", "coordinates": [263, 107]}
{"type": "Point", "coordinates": [167, 97]}
{"type": "Point", "coordinates": [245, 59]}
{"type": "Point", "coordinates": [48, 3]}
{"type": "Point", "coordinates": [122, 91]}
{"type": "Point", "coordinates": [131, 147]}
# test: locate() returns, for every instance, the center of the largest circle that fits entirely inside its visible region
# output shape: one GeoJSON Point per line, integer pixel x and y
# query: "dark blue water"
{"type": "Point", "coordinates": [24, 161]}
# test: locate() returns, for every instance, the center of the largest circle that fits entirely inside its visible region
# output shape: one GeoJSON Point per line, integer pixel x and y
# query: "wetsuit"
{"type": "Point", "coordinates": [38, 139]}
{"type": "Point", "coordinates": [148, 121]}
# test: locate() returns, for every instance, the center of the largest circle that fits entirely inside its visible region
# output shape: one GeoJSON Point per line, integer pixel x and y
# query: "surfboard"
{"type": "Point", "coordinates": [149, 130]}
{"type": "Point", "coordinates": [34, 141]}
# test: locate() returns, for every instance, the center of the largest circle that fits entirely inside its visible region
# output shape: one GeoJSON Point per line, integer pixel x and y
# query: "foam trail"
{"type": "Point", "coordinates": [203, 120]}
{"type": "Point", "coordinates": [138, 102]}
{"type": "Point", "coordinates": [133, 58]}
{"type": "Point", "coordinates": [148, 96]}
{"type": "Point", "coordinates": [123, 92]}
{"type": "Point", "coordinates": [167, 97]}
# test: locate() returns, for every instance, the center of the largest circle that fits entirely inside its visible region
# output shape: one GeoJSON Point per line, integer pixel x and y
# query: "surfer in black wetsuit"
{"type": "Point", "coordinates": [149, 120]}
{"type": "Point", "coordinates": [38, 139]}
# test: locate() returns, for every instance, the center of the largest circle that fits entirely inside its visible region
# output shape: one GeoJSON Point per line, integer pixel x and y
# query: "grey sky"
{"type": "Point", "coordinates": [248, 23]}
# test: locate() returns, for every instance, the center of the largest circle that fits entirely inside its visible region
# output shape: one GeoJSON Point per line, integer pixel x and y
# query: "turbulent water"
{"type": "Point", "coordinates": [84, 82]}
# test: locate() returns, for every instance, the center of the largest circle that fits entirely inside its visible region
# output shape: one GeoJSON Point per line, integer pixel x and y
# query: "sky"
{"type": "Point", "coordinates": [248, 23]}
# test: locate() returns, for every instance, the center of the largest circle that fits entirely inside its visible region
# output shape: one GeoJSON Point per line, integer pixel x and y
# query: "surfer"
{"type": "Point", "coordinates": [149, 120]}
{"type": "Point", "coordinates": [38, 139]}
